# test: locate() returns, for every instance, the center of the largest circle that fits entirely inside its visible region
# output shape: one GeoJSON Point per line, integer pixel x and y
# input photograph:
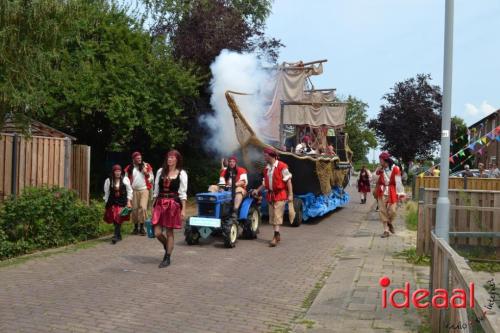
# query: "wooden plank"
{"type": "Point", "coordinates": [39, 162]}
{"type": "Point", "coordinates": [50, 163]}
{"type": "Point", "coordinates": [27, 164]}
{"type": "Point", "coordinates": [7, 186]}
{"type": "Point", "coordinates": [2, 166]}
{"type": "Point", "coordinates": [45, 169]}
{"type": "Point", "coordinates": [57, 147]}
{"type": "Point", "coordinates": [421, 234]}
{"type": "Point", "coordinates": [21, 171]}
{"type": "Point", "coordinates": [62, 162]}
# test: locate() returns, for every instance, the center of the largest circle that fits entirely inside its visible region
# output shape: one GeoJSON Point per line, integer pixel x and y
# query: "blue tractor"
{"type": "Point", "coordinates": [215, 218]}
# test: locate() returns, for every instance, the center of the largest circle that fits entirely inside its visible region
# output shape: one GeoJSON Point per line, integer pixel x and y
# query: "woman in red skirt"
{"type": "Point", "coordinates": [117, 195]}
{"type": "Point", "coordinates": [169, 207]}
{"type": "Point", "coordinates": [364, 183]}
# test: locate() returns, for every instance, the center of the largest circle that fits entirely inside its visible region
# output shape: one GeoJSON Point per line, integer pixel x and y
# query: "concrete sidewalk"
{"type": "Point", "coordinates": [350, 300]}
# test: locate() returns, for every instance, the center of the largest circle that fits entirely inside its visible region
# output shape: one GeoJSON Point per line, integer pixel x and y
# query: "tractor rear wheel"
{"type": "Point", "coordinates": [298, 205]}
{"type": "Point", "coordinates": [252, 224]}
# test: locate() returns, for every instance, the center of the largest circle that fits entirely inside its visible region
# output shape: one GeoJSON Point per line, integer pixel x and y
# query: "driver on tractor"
{"type": "Point", "coordinates": [233, 174]}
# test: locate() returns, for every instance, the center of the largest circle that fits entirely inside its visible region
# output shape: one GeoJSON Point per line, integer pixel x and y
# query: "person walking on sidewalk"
{"type": "Point", "coordinates": [364, 183]}
{"type": "Point", "coordinates": [141, 178]}
{"type": "Point", "coordinates": [117, 195]}
{"type": "Point", "coordinates": [278, 184]}
{"type": "Point", "coordinates": [169, 207]}
{"type": "Point", "coordinates": [389, 190]}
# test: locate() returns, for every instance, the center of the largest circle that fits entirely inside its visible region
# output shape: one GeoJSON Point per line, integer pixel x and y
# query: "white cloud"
{"type": "Point", "coordinates": [483, 110]}
{"type": "Point", "coordinates": [470, 109]}
{"type": "Point", "coordinates": [486, 108]}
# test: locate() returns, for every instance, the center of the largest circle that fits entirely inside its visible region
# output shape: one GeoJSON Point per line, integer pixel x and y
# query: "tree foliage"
{"type": "Point", "coordinates": [361, 138]}
{"type": "Point", "coordinates": [459, 140]}
{"type": "Point", "coordinates": [199, 30]}
{"type": "Point", "coordinates": [409, 124]}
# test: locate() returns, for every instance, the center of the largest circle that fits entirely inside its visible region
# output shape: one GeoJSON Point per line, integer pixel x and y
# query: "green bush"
{"type": "Point", "coordinates": [41, 218]}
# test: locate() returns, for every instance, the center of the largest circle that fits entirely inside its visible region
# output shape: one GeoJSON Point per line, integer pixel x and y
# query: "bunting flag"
{"type": "Point", "coordinates": [490, 135]}
{"type": "Point", "coordinates": [498, 138]}
{"type": "Point", "coordinates": [484, 139]}
{"type": "Point", "coordinates": [452, 160]}
{"type": "Point", "coordinates": [461, 153]}
{"type": "Point", "coordinates": [480, 151]}
{"type": "Point", "coordinates": [497, 129]}
{"type": "Point", "coordinates": [471, 146]}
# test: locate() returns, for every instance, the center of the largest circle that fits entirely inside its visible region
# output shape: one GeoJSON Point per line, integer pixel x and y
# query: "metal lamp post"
{"type": "Point", "coordinates": [443, 202]}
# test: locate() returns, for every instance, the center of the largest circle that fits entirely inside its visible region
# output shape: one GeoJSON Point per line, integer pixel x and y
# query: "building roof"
{"type": "Point", "coordinates": [35, 128]}
{"type": "Point", "coordinates": [491, 115]}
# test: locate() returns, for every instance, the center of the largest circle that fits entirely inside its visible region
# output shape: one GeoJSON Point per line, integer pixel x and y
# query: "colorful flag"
{"type": "Point", "coordinates": [490, 135]}
{"type": "Point", "coordinates": [484, 139]}
{"type": "Point", "coordinates": [461, 153]}
{"type": "Point", "coordinates": [451, 159]}
{"type": "Point", "coordinates": [471, 146]}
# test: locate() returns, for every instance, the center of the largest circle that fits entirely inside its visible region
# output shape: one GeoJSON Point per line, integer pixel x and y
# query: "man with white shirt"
{"type": "Point", "coordinates": [278, 183]}
{"type": "Point", "coordinates": [141, 177]}
{"type": "Point", "coordinates": [388, 192]}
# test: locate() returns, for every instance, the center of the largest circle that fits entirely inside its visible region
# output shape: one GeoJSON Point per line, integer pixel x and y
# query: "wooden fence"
{"type": "Point", "coordinates": [470, 211]}
{"type": "Point", "coordinates": [42, 161]}
{"type": "Point", "coordinates": [450, 271]}
{"type": "Point", "coordinates": [80, 171]}
{"type": "Point", "coordinates": [468, 183]}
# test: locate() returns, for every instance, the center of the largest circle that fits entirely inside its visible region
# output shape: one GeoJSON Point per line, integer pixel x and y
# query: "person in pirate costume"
{"type": "Point", "coordinates": [389, 190]}
{"type": "Point", "coordinates": [169, 207]}
{"type": "Point", "coordinates": [236, 175]}
{"type": "Point", "coordinates": [117, 195]}
{"type": "Point", "coordinates": [141, 178]}
{"type": "Point", "coordinates": [277, 181]}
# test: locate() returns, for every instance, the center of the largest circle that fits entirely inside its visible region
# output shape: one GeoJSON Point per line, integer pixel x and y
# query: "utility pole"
{"type": "Point", "coordinates": [443, 202]}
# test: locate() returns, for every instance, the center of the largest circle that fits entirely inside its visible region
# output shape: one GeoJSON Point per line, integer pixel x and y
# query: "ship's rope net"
{"type": "Point", "coordinates": [327, 175]}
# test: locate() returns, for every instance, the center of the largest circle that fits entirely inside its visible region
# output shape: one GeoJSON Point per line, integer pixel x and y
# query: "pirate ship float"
{"type": "Point", "coordinates": [294, 110]}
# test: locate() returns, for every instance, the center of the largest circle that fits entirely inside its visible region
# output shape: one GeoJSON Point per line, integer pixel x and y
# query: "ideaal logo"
{"type": "Point", "coordinates": [440, 299]}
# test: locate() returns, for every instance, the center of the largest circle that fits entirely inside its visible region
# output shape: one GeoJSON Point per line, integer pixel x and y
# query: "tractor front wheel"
{"type": "Point", "coordinates": [192, 236]}
{"type": "Point", "coordinates": [230, 234]}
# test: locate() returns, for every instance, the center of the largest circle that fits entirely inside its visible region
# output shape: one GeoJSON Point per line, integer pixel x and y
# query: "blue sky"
{"type": "Point", "coordinates": [372, 44]}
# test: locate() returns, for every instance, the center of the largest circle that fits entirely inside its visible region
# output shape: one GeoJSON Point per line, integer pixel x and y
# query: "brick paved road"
{"type": "Point", "coordinates": [251, 288]}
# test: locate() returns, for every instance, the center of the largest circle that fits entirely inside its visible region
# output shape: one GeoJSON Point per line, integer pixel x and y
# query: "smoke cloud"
{"type": "Point", "coordinates": [241, 72]}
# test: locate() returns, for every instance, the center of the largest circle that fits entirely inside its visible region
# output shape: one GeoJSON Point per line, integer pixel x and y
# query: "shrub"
{"type": "Point", "coordinates": [41, 218]}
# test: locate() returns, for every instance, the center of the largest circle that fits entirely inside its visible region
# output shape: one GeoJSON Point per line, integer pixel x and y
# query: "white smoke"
{"type": "Point", "coordinates": [237, 72]}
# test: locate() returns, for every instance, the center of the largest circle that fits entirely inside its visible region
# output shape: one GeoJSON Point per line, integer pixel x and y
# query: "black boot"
{"type": "Point", "coordinates": [116, 234]}
{"type": "Point", "coordinates": [142, 232]}
{"type": "Point", "coordinates": [136, 229]}
{"type": "Point", "coordinates": [119, 234]}
{"type": "Point", "coordinates": [166, 261]}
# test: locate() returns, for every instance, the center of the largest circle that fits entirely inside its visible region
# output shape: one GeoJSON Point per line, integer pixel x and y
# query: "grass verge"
{"type": "Point", "coordinates": [411, 215]}
{"type": "Point", "coordinates": [412, 257]}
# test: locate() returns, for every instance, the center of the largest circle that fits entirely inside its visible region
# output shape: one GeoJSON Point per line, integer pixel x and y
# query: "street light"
{"type": "Point", "coordinates": [443, 202]}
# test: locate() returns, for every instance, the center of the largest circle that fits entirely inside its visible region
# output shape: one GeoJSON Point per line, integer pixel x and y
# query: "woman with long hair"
{"type": "Point", "coordinates": [117, 195]}
{"type": "Point", "coordinates": [169, 207]}
{"type": "Point", "coordinates": [364, 183]}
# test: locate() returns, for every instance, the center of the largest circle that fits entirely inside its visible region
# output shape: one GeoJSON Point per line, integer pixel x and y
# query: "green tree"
{"type": "Point", "coordinates": [30, 31]}
{"type": "Point", "coordinates": [409, 124]}
{"type": "Point", "coordinates": [361, 138]}
{"type": "Point", "coordinates": [459, 141]}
